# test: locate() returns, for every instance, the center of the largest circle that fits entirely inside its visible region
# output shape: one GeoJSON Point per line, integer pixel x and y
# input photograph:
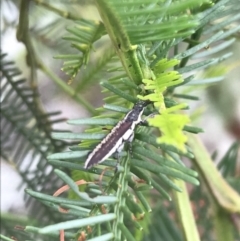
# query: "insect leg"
{"type": "Point", "coordinates": [118, 161]}
{"type": "Point", "coordinates": [129, 141]}
{"type": "Point", "coordinates": [144, 121]}
{"type": "Point", "coordinates": [117, 155]}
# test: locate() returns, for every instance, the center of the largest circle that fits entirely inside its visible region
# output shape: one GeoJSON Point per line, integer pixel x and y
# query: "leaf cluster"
{"type": "Point", "coordinates": [26, 134]}
{"type": "Point", "coordinates": [147, 38]}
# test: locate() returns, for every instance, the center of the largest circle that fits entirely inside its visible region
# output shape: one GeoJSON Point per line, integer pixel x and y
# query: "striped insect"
{"type": "Point", "coordinates": [115, 140]}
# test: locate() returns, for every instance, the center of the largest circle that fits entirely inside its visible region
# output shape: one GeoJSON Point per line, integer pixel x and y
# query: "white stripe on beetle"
{"type": "Point", "coordinates": [121, 133]}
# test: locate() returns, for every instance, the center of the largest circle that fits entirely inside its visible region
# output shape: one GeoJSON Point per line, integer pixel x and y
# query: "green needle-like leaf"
{"type": "Point", "coordinates": [185, 213]}
{"type": "Point", "coordinates": [78, 223]}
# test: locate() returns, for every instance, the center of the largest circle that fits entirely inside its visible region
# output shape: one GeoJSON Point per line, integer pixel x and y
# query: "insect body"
{"type": "Point", "coordinates": [121, 133]}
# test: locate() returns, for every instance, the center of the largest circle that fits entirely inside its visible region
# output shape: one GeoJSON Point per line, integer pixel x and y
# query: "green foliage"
{"type": "Point", "coordinates": [147, 59]}
{"type": "Point", "coordinates": [26, 134]}
{"type": "Point", "coordinates": [169, 124]}
{"type": "Point", "coordinates": [82, 37]}
{"type": "Point", "coordinates": [26, 128]}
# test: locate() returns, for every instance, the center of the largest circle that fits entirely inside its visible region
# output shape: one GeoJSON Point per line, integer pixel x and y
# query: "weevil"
{"type": "Point", "coordinates": [115, 140]}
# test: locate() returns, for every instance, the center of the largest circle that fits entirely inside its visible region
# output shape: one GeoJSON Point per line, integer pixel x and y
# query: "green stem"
{"type": "Point", "coordinates": [64, 14]}
{"type": "Point", "coordinates": [121, 198]}
{"type": "Point", "coordinates": [32, 60]}
{"type": "Point", "coordinates": [67, 89]}
{"type": "Point", "coordinates": [223, 198]}
{"type": "Point", "coordinates": [223, 226]}
{"type": "Point", "coordinates": [223, 194]}
{"type": "Point", "coordinates": [126, 52]}
{"type": "Point", "coordinates": [185, 213]}
{"type": "Point", "coordinates": [192, 42]}
{"type": "Point", "coordinates": [24, 37]}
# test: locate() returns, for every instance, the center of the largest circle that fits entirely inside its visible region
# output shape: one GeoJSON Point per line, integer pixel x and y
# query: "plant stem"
{"type": "Point", "coordinates": [67, 89]}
